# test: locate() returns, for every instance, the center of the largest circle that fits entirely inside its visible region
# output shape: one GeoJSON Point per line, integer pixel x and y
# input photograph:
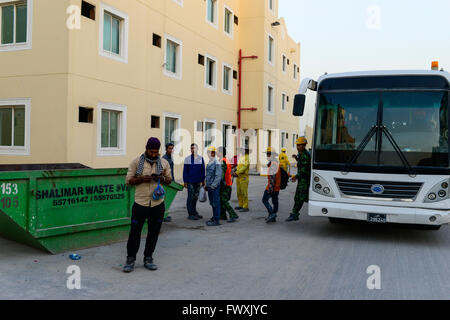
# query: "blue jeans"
{"type": "Point", "coordinates": [214, 200]}
{"type": "Point", "coordinates": [191, 203]}
{"type": "Point", "coordinates": [265, 200]}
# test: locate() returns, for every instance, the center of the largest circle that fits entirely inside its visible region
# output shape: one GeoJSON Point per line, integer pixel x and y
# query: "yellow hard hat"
{"type": "Point", "coordinates": [212, 149]}
{"type": "Point", "coordinates": [301, 140]}
{"type": "Point", "coordinates": [269, 149]}
{"type": "Point", "coordinates": [283, 150]}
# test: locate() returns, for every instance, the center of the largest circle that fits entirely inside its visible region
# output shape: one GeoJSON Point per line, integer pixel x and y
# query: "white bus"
{"type": "Point", "coordinates": [380, 151]}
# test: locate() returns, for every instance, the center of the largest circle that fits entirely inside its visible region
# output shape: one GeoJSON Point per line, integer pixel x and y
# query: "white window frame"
{"type": "Point", "coordinates": [214, 132]}
{"type": "Point", "coordinates": [179, 2]}
{"type": "Point", "coordinates": [124, 26]}
{"type": "Point", "coordinates": [295, 72]}
{"type": "Point", "coordinates": [122, 132]}
{"type": "Point", "coordinates": [13, 150]}
{"type": "Point", "coordinates": [283, 63]}
{"type": "Point", "coordinates": [25, 45]}
{"type": "Point", "coordinates": [216, 16]}
{"type": "Point", "coordinates": [179, 63]}
{"type": "Point", "coordinates": [283, 101]}
{"type": "Point", "coordinates": [207, 85]}
{"type": "Point", "coordinates": [294, 138]}
{"type": "Point", "coordinates": [177, 131]}
{"type": "Point", "coordinates": [283, 135]}
{"type": "Point", "coordinates": [271, 61]}
{"type": "Point", "coordinates": [230, 79]}
{"type": "Point", "coordinates": [231, 34]}
{"type": "Point", "coordinates": [269, 85]}
{"type": "Point", "coordinates": [228, 123]}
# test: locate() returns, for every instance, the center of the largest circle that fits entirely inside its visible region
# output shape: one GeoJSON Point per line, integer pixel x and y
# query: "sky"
{"type": "Point", "coordinates": [357, 35]}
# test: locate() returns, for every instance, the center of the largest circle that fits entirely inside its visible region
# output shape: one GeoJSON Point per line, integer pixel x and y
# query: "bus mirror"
{"type": "Point", "coordinates": [299, 105]}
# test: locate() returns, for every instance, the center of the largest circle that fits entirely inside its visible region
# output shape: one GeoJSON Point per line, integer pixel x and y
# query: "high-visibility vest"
{"type": "Point", "coordinates": [228, 178]}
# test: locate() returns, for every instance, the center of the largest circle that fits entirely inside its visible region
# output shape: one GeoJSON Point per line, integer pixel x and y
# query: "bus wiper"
{"type": "Point", "coordinates": [411, 171]}
{"type": "Point", "coordinates": [360, 149]}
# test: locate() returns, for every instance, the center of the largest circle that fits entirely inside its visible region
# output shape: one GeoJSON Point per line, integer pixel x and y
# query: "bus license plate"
{"type": "Point", "coordinates": [376, 218]}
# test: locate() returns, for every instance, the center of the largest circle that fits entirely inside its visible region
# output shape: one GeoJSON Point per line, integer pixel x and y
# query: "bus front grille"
{"type": "Point", "coordinates": [379, 189]}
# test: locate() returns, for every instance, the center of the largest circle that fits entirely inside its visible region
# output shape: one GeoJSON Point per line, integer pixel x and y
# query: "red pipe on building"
{"type": "Point", "coordinates": [240, 109]}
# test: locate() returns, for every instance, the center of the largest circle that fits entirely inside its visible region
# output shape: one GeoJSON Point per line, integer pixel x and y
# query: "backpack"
{"type": "Point", "coordinates": [284, 179]}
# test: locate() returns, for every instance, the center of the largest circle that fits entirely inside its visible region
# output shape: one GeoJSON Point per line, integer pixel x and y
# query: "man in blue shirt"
{"type": "Point", "coordinates": [194, 178]}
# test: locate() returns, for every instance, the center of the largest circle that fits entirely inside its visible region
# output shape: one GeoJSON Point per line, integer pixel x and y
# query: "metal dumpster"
{"type": "Point", "coordinates": [171, 192]}
{"type": "Point", "coordinates": [62, 210]}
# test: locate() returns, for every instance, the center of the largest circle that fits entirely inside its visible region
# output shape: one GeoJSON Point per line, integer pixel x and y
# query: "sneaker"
{"type": "Point", "coordinates": [193, 218]}
{"type": "Point", "coordinates": [129, 265]}
{"type": "Point", "coordinates": [292, 218]}
{"type": "Point", "coordinates": [244, 210]}
{"type": "Point", "coordinates": [148, 264]}
{"type": "Point", "coordinates": [212, 223]}
{"type": "Point", "coordinates": [238, 208]}
{"type": "Point", "coordinates": [168, 219]}
{"type": "Point", "coordinates": [271, 218]}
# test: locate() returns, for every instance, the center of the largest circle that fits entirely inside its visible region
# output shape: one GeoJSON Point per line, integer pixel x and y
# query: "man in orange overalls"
{"type": "Point", "coordinates": [226, 187]}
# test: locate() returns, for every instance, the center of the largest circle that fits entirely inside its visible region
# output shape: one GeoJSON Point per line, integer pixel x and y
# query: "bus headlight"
{"type": "Point", "coordinates": [321, 186]}
{"type": "Point", "coordinates": [438, 193]}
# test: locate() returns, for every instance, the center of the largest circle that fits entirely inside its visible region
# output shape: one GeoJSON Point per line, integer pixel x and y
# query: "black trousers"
{"type": "Point", "coordinates": [139, 215]}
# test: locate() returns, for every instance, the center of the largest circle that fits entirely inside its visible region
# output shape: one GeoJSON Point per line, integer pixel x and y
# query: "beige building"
{"type": "Point", "coordinates": [90, 81]}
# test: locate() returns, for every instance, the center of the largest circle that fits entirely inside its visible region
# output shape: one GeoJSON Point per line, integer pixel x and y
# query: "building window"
{"type": "Point", "coordinates": [210, 137]}
{"type": "Point", "coordinates": [113, 34]}
{"type": "Point", "coordinates": [15, 25]}
{"type": "Point", "coordinates": [85, 115]}
{"type": "Point", "coordinates": [226, 134]}
{"type": "Point", "coordinates": [211, 12]}
{"type": "Point", "coordinates": [170, 127]}
{"type": "Point", "coordinates": [271, 49]}
{"type": "Point", "coordinates": [283, 101]}
{"type": "Point", "coordinates": [294, 139]}
{"type": "Point", "coordinates": [270, 100]}
{"type": "Point", "coordinates": [284, 63]}
{"type": "Point", "coordinates": [211, 73]}
{"type": "Point", "coordinates": [227, 79]}
{"type": "Point", "coordinates": [154, 122]}
{"type": "Point", "coordinates": [173, 58]}
{"type": "Point", "coordinates": [157, 40]}
{"type": "Point", "coordinates": [15, 126]}
{"type": "Point", "coordinates": [87, 10]}
{"type": "Point", "coordinates": [295, 72]}
{"type": "Point", "coordinates": [283, 139]}
{"type": "Point", "coordinates": [111, 130]}
{"type": "Point", "coordinates": [228, 22]}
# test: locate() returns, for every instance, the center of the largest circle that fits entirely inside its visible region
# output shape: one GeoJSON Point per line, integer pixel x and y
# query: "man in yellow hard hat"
{"type": "Point", "coordinates": [303, 177]}
{"type": "Point", "coordinates": [241, 174]}
{"type": "Point", "coordinates": [284, 160]}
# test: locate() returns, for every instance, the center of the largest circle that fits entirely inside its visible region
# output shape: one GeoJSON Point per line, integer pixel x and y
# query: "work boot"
{"type": "Point", "coordinates": [292, 218]}
{"type": "Point", "coordinates": [272, 218]}
{"type": "Point", "coordinates": [148, 264]}
{"type": "Point", "coordinates": [198, 216]}
{"type": "Point", "coordinates": [168, 219]}
{"type": "Point", "coordinates": [244, 210]}
{"type": "Point", "coordinates": [129, 265]}
{"type": "Point", "coordinates": [238, 208]}
{"type": "Point", "coordinates": [212, 223]}
{"type": "Point", "coordinates": [192, 217]}
{"type": "Point", "coordinates": [233, 219]}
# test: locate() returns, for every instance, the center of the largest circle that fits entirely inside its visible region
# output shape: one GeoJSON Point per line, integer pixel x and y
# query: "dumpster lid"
{"type": "Point", "coordinates": [42, 166]}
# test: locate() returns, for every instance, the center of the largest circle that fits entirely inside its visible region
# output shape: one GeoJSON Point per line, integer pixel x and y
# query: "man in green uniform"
{"type": "Point", "coordinates": [303, 176]}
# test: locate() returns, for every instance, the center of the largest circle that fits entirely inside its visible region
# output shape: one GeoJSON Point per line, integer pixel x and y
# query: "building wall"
{"type": "Point", "coordinates": [64, 70]}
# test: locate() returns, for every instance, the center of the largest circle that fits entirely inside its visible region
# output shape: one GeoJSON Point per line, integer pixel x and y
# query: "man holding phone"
{"type": "Point", "coordinates": [145, 172]}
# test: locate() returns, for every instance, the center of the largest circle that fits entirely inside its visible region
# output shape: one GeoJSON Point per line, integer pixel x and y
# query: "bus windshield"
{"type": "Point", "coordinates": [417, 120]}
